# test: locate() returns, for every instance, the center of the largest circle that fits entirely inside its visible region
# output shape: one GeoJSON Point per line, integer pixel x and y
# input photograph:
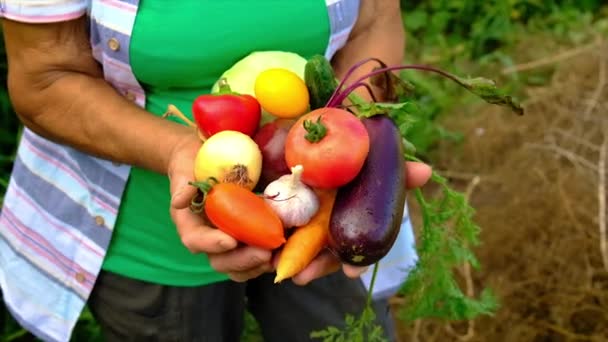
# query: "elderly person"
{"type": "Point", "coordinates": [97, 208]}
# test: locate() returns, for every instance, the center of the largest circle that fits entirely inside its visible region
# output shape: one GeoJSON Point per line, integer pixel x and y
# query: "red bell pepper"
{"type": "Point", "coordinates": [226, 110]}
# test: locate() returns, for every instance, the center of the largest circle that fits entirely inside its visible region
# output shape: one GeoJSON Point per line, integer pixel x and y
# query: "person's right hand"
{"type": "Point", "coordinates": [240, 263]}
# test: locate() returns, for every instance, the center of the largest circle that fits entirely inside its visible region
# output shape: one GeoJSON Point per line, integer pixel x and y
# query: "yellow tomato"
{"type": "Point", "coordinates": [281, 92]}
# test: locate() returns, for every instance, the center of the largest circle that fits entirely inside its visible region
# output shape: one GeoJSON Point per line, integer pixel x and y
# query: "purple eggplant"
{"type": "Point", "coordinates": [367, 214]}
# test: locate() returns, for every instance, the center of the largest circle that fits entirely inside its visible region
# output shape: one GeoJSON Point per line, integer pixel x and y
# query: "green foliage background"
{"type": "Point", "coordinates": [462, 36]}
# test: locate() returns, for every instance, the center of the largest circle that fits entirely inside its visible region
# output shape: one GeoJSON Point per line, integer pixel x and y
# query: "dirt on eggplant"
{"type": "Point", "coordinates": [536, 185]}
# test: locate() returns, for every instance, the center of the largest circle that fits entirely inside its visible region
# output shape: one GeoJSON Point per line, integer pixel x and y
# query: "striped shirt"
{"type": "Point", "coordinates": [61, 204]}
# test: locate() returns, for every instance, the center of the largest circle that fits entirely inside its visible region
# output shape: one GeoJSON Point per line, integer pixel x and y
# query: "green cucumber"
{"type": "Point", "coordinates": [320, 81]}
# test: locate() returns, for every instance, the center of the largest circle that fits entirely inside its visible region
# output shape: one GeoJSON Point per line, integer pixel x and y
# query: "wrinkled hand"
{"type": "Point", "coordinates": [240, 263]}
{"type": "Point", "coordinates": [417, 175]}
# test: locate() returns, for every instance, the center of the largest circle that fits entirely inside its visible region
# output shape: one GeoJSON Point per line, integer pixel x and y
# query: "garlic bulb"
{"type": "Point", "coordinates": [294, 202]}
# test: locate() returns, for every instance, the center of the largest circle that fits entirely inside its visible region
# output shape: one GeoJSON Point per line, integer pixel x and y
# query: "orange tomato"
{"type": "Point", "coordinates": [243, 215]}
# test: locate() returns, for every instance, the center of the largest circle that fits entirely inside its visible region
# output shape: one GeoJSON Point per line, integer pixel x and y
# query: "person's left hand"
{"type": "Point", "coordinates": [326, 263]}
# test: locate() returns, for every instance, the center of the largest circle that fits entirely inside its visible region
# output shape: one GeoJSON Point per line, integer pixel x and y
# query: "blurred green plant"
{"type": "Point", "coordinates": [477, 37]}
{"type": "Point", "coordinates": [476, 28]}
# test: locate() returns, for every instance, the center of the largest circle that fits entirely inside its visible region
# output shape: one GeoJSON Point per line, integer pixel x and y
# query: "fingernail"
{"type": "Point", "coordinates": [426, 167]}
{"type": "Point", "coordinates": [178, 192]}
{"type": "Point", "coordinates": [174, 196]}
{"type": "Point", "coordinates": [359, 271]}
{"type": "Point", "coordinates": [225, 244]}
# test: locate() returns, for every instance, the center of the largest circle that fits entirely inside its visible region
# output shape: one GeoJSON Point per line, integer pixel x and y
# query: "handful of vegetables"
{"type": "Point", "coordinates": [310, 172]}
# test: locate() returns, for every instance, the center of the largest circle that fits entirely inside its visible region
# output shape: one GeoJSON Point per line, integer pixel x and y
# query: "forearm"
{"type": "Point", "coordinates": [58, 91]}
{"type": "Point", "coordinates": [87, 113]}
{"type": "Point", "coordinates": [382, 38]}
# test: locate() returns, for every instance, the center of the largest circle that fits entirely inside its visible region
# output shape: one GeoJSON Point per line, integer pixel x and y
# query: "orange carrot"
{"type": "Point", "coordinates": [308, 240]}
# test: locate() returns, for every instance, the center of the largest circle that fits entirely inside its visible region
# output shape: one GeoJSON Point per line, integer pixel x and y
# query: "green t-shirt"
{"type": "Point", "coordinates": [178, 50]}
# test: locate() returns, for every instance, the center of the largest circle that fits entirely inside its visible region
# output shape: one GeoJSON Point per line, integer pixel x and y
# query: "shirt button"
{"type": "Point", "coordinates": [113, 44]}
{"type": "Point", "coordinates": [130, 96]}
{"type": "Point", "coordinates": [99, 220]}
{"type": "Point", "coordinates": [80, 277]}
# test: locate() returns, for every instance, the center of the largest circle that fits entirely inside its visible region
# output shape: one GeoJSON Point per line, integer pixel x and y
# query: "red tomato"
{"type": "Point", "coordinates": [226, 111]}
{"type": "Point", "coordinates": [243, 215]}
{"type": "Point", "coordinates": [332, 157]}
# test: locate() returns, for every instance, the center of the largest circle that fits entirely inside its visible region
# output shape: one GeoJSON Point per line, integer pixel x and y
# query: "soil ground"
{"type": "Point", "coordinates": [538, 184]}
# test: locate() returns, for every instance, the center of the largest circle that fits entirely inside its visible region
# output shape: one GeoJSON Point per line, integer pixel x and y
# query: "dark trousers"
{"type": "Point", "coordinates": [132, 310]}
